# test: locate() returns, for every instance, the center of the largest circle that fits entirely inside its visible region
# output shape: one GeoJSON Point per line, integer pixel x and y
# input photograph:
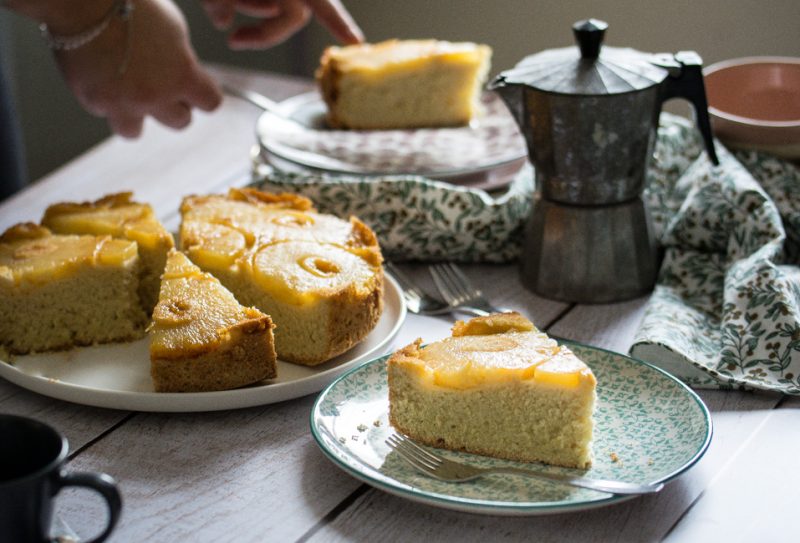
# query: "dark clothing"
{"type": "Point", "coordinates": [12, 167]}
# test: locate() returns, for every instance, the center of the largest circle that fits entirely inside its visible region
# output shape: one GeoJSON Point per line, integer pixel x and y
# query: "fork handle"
{"type": "Point", "coordinates": [614, 487]}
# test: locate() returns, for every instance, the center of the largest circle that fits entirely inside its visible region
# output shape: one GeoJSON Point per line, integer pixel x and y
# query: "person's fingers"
{"type": "Point", "coordinates": [175, 115]}
{"type": "Point", "coordinates": [127, 126]}
{"type": "Point", "coordinates": [220, 12]}
{"type": "Point", "coordinates": [271, 32]}
{"type": "Point", "coordinates": [335, 17]}
{"type": "Point", "coordinates": [203, 93]}
{"type": "Point", "coordinates": [259, 8]}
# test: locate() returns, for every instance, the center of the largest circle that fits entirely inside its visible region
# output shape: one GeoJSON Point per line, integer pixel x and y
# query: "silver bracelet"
{"type": "Point", "coordinates": [120, 8]}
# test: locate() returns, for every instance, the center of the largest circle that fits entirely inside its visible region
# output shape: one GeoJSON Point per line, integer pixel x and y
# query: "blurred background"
{"type": "Point", "coordinates": [57, 129]}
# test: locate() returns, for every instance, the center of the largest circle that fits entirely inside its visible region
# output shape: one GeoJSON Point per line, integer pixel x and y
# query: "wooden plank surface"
{"type": "Point", "coordinates": [256, 474]}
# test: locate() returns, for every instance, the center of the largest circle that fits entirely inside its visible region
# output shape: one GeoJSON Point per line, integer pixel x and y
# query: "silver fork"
{"type": "Point", "coordinates": [443, 469]}
{"type": "Point", "coordinates": [417, 300]}
{"type": "Point", "coordinates": [457, 289]}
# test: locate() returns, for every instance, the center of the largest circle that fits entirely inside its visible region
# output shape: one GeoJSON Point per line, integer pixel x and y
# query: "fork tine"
{"type": "Point", "coordinates": [410, 450]}
{"type": "Point", "coordinates": [400, 444]}
{"type": "Point", "coordinates": [461, 276]}
{"type": "Point", "coordinates": [439, 277]}
{"type": "Point", "coordinates": [410, 459]}
{"type": "Point", "coordinates": [412, 444]}
{"type": "Point", "coordinates": [458, 284]}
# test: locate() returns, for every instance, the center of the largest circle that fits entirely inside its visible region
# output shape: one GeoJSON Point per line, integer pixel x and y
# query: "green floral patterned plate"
{"type": "Point", "coordinates": [649, 427]}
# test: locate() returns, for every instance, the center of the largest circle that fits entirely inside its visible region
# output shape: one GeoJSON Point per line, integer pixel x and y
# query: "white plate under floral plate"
{"type": "Point", "coordinates": [118, 375]}
{"type": "Point", "coordinates": [649, 427]}
{"type": "Point", "coordinates": [490, 146]}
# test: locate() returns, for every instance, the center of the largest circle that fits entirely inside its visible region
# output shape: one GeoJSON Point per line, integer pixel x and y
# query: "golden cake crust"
{"type": "Point", "coordinates": [318, 276]}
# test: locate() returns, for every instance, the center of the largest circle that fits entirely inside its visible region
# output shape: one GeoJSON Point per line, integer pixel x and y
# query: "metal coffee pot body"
{"type": "Point", "coordinates": [584, 150]}
{"type": "Point", "coordinates": [590, 122]}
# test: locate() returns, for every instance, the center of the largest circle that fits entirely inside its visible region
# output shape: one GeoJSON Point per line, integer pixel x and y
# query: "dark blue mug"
{"type": "Point", "coordinates": [32, 457]}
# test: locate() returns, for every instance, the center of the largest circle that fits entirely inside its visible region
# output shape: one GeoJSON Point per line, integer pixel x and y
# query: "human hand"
{"type": "Point", "coordinates": [279, 19]}
{"type": "Point", "coordinates": [162, 78]}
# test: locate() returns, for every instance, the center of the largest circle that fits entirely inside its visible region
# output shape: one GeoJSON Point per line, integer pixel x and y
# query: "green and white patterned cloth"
{"type": "Point", "coordinates": [726, 310]}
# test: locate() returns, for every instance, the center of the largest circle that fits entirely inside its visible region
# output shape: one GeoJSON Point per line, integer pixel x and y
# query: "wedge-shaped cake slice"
{"type": "Point", "coordinates": [497, 387]}
{"type": "Point", "coordinates": [57, 291]}
{"type": "Point", "coordinates": [202, 339]}
{"type": "Point", "coordinates": [318, 276]}
{"type": "Point", "coordinates": [117, 215]}
{"type": "Point", "coordinates": [403, 83]}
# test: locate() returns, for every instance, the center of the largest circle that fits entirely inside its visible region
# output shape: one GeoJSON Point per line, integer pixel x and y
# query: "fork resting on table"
{"type": "Point", "coordinates": [422, 303]}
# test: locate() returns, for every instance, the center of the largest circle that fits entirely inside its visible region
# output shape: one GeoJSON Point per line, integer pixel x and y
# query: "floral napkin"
{"type": "Point", "coordinates": [726, 310]}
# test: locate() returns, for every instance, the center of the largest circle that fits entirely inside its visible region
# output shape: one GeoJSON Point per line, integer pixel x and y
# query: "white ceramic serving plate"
{"type": "Point", "coordinates": [117, 376]}
{"type": "Point", "coordinates": [649, 428]}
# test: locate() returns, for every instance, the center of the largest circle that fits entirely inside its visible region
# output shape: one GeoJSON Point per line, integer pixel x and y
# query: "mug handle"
{"type": "Point", "coordinates": [102, 484]}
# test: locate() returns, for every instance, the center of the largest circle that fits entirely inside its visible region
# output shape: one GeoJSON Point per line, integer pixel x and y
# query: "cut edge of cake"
{"type": "Point", "coordinates": [240, 354]}
{"type": "Point", "coordinates": [424, 83]}
{"type": "Point", "coordinates": [86, 296]}
{"type": "Point", "coordinates": [142, 226]}
{"type": "Point", "coordinates": [491, 419]}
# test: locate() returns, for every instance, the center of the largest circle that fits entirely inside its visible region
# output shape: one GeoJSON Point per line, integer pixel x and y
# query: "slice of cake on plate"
{"type": "Point", "coordinates": [497, 387]}
{"type": "Point", "coordinates": [57, 291]}
{"type": "Point", "coordinates": [202, 339]}
{"type": "Point", "coordinates": [119, 216]}
{"type": "Point", "coordinates": [319, 277]}
{"type": "Point", "coordinates": [403, 83]}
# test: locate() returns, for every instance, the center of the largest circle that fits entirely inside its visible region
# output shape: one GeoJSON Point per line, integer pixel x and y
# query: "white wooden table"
{"type": "Point", "coordinates": [256, 474]}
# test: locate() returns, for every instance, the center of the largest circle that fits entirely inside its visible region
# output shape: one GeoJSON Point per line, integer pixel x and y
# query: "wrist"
{"type": "Point", "coordinates": [63, 17]}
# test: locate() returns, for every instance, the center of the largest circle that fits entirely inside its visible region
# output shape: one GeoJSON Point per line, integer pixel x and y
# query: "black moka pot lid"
{"type": "Point", "coordinates": [590, 69]}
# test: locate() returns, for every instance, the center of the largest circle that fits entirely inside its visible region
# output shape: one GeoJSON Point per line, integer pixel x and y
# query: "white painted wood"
{"type": "Point", "coordinates": [234, 476]}
{"type": "Point", "coordinates": [609, 326]}
{"type": "Point", "coordinates": [80, 424]}
{"type": "Point", "coordinates": [755, 494]}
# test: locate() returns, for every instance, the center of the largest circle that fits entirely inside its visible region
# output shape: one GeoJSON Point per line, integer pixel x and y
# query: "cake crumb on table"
{"type": "Point", "coordinates": [361, 427]}
{"type": "Point", "coordinates": [614, 457]}
{"type": "Point", "coordinates": [376, 423]}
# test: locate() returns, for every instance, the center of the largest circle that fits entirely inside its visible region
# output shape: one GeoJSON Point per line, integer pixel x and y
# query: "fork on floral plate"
{"type": "Point", "coordinates": [441, 468]}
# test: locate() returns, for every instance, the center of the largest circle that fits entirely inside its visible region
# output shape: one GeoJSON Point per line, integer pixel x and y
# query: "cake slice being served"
{"type": "Point", "coordinates": [497, 387]}
{"type": "Point", "coordinates": [117, 215]}
{"type": "Point", "coordinates": [202, 339]}
{"type": "Point", "coordinates": [57, 292]}
{"type": "Point", "coordinates": [403, 83]}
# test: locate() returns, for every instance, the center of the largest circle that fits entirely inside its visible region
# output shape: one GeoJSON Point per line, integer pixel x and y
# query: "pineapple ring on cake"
{"type": "Point", "coordinates": [301, 272]}
{"type": "Point", "coordinates": [202, 339]}
{"type": "Point", "coordinates": [318, 276]}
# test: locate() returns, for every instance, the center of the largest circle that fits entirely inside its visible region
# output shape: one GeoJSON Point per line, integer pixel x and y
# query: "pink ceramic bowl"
{"type": "Point", "coordinates": [754, 103]}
